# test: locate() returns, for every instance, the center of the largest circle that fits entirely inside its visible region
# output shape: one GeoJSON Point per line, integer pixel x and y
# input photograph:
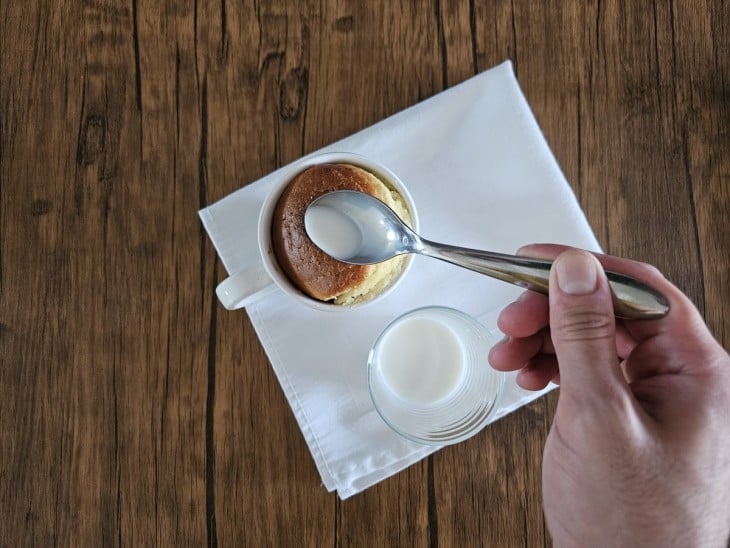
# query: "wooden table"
{"type": "Point", "coordinates": [134, 410]}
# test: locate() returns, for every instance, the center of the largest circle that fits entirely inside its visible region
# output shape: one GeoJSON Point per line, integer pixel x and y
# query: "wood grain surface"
{"type": "Point", "coordinates": [136, 411]}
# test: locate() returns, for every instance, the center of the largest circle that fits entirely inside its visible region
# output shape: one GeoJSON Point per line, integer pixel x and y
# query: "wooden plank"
{"type": "Point", "coordinates": [699, 50]}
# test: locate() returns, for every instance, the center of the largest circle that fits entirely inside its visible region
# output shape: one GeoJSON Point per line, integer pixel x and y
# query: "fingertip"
{"type": "Point", "coordinates": [576, 272]}
{"type": "Point", "coordinates": [538, 372]}
{"type": "Point", "coordinates": [528, 248]}
{"type": "Point", "coordinates": [556, 377]}
{"type": "Point", "coordinates": [494, 357]}
{"type": "Point", "coordinates": [525, 316]}
{"type": "Point", "coordinates": [542, 250]}
{"type": "Point", "coordinates": [530, 379]}
{"type": "Point", "coordinates": [502, 356]}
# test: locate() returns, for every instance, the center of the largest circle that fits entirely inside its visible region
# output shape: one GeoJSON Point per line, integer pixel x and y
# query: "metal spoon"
{"type": "Point", "coordinates": [354, 227]}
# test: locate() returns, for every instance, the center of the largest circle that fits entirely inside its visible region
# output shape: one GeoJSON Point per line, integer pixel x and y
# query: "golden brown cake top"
{"type": "Point", "coordinates": [308, 267]}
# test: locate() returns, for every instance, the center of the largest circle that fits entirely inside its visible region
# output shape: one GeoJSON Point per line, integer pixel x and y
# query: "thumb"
{"type": "Point", "coordinates": [583, 327]}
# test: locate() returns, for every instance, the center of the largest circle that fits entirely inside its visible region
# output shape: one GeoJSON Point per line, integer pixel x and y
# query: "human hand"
{"type": "Point", "coordinates": [639, 449]}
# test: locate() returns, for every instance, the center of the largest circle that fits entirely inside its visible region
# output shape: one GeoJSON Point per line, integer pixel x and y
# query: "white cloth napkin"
{"type": "Point", "coordinates": [481, 175]}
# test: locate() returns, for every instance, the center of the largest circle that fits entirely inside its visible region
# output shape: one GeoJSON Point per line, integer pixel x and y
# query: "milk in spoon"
{"type": "Point", "coordinates": [332, 231]}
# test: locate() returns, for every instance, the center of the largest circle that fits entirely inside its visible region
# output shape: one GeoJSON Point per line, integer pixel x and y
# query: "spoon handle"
{"type": "Point", "coordinates": [632, 299]}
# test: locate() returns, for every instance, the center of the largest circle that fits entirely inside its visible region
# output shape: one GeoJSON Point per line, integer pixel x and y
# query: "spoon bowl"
{"type": "Point", "coordinates": [357, 228]}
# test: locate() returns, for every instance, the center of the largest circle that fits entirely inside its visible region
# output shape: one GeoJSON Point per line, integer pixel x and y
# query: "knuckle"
{"type": "Point", "coordinates": [584, 325]}
{"type": "Point", "coordinates": [651, 272]}
{"type": "Point", "coordinates": [654, 271]}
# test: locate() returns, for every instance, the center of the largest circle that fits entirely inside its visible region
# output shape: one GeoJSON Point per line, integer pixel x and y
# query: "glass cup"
{"type": "Point", "coordinates": [429, 377]}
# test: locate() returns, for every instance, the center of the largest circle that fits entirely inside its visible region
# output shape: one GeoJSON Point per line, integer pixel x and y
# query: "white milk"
{"type": "Point", "coordinates": [421, 360]}
{"type": "Point", "coordinates": [332, 231]}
